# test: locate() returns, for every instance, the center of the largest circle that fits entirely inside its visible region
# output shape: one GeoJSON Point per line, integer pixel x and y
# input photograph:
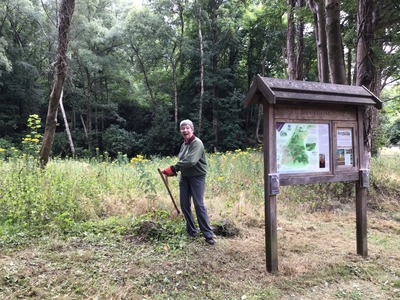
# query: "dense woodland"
{"type": "Point", "coordinates": [134, 71]}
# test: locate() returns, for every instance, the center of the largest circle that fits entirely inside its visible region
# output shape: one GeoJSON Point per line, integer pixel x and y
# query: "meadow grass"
{"type": "Point", "coordinates": [76, 230]}
{"type": "Point", "coordinates": [73, 191]}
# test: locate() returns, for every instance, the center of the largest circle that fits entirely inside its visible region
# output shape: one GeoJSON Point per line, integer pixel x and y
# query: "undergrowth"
{"type": "Point", "coordinates": [107, 229]}
{"type": "Point", "coordinates": [69, 193]}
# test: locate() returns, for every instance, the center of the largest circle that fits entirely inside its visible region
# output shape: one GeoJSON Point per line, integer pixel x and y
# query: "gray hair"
{"type": "Point", "coordinates": [187, 122]}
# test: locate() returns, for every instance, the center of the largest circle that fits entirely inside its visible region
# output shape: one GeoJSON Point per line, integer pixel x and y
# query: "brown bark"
{"type": "Point", "coordinates": [175, 83]}
{"type": "Point", "coordinates": [201, 75]}
{"type": "Point", "coordinates": [334, 42]}
{"type": "Point", "coordinates": [135, 49]}
{"type": "Point", "coordinates": [317, 7]}
{"type": "Point", "coordinates": [214, 61]}
{"type": "Point", "coordinates": [300, 43]}
{"type": "Point", "coordinates": [364, 65]}
{"type": "Point", "coordinates": [365, 72]}
{"type": "Point", "coordinates": [291, 32]}
{"type": "Point", "coordinates": [61, 65]}
{"type": "Point", "coordinates": [349, 61]}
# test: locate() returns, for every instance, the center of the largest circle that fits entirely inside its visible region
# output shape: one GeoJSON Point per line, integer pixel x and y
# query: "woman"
{"type": "Point", "coordinates": [193, 167]}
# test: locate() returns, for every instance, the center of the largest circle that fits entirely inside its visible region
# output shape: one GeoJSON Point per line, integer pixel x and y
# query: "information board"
{"type": "Point", "coordinates": [302, 147]}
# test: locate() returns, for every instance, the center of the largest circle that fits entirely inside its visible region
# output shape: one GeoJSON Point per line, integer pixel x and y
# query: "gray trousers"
{"type": "Point", "coordinates": [194, 187]}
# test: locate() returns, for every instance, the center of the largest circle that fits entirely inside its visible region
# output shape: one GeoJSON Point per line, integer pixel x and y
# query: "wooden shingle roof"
{"type": "Point", "coordinates": [275, 90]}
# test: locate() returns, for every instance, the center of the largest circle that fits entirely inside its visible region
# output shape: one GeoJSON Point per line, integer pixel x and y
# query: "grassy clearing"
{"type": "Point", "coordinates": [86, 238]}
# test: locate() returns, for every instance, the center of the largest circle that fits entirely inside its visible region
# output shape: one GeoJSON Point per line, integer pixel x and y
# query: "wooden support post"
{"type": "Point", "coordinates": [361, 191]}
{"type": "Point", "coordinates": [271, 236]}
{"type": "Point", "coordinates": [361, 219]}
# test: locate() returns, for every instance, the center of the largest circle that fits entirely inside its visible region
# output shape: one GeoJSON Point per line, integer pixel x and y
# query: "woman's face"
{"type": "Point", "coordinates": [186, 131]}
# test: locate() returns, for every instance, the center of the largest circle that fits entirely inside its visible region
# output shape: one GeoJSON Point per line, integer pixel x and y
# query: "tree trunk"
{"type": "Point", "coordinates": [349, 60]}
{"type": "Point", "coordinates": [364, 65]}
{"type": "Point", "coordinates": [175, 84]}
{"type": "Point", "coordinates": [182, 31]}
{"type": "Point", "coordinates": [88, 106]}
{"type": "Point", "coordinates": [214, 60]}
{"type": "Point", "coordinates": [365, 73]}
{"type": "Point", "coordinates": [68, 132]}
{"type": "Point", "coordinates": [201, 45]}
{"type": "Point", "coordinates": [64, 23]}
{"type": "Point", "coordinates": [334, 42]}
{"type": "Point", "coordinates": [320, 35]}
{"type": "Point", "coordinates": [142, 66]}
{"type": "Point", "coordinates": [290, 41]}
{"type": "Point", "coordinates": [300, 42]}
{"type": "Point", "coordinates": [84, 127]}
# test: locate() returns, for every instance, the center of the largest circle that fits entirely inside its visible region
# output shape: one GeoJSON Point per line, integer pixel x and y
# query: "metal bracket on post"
{"type": "Point", "coordinates": [364, 178]}
{"type": "Point", "coordinates": [273, 183]}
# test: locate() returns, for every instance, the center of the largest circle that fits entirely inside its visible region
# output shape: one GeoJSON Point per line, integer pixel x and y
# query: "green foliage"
{"type": "Point", "coordinates": [162, 138]}
{"type": "Point", "coordinates": [7, 149]}
{"type": "Point", "coordinates": [5, 63]}
{"type": "Point", "coordinates": [389, 118]}
{"type": "Point", "coordinates": [384, 173]}
{"type": "Point", "coordinates": [31, 197]}
{"type": "Point", "coordinates": [120, 98]}
{"type": "Point", "coordinates": [394, 132]}
{"type": "Point", "coordinates": [31, 141]}
{"type": "Point", "coordinates": [118, 140]}
{"type": "Point", "coordinates": [321, 196]}
{"type": "Point", "coordinates": [127, 63]}
{"type": "Point", "coordinates": [8, 122]}
{"type": "Point", "coordinates": [158, 227]}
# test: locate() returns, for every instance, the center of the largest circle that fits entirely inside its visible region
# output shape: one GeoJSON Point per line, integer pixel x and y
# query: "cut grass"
{"type": "Point", "coordinates": [317, 260]}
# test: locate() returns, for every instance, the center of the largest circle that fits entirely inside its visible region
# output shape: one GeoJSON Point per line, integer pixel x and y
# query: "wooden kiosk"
{"type": "Point", "coordinates": [313, 133]}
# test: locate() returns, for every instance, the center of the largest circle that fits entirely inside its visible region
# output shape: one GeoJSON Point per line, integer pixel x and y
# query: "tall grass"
{"type": "Point", "coordinates": [72, 191]}
{"type": "Point", "coordinates": [385, 172]}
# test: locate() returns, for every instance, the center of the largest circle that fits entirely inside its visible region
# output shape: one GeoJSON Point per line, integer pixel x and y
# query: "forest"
{"type": "Point", "coordinates": [98, 88]}
{"type": "Point", "coordinates": [135, 69]}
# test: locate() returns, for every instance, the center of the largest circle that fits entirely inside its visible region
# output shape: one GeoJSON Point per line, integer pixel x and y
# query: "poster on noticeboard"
{"type": "Point", "coordinates": [344, 143]}
{"type": "Point", "coordinates": [302, 147]}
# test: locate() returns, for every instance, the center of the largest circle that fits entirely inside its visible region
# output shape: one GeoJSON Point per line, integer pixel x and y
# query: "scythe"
{"type": "Point", "coordinates": [165, 180]}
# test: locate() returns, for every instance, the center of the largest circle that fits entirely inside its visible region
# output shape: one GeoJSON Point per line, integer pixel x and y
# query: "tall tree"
{"type": "Point", "coordinates": [295, 39]}
{"type": "Point", "coordinates": [300, 40]}
{"type": "Point", "coordinates": [61, 65]}
{"type": "Point", "coordinates": [365, 72]}
{"type": "Point", "coordinates": [173, 13]}
{"type": "Point", "coordinates": [334, 42]}
{"type": "Point", "coordinates": [202, 69]}
{"type": "Point", "coordinates": [66, 125]}
{"type": "Point", "coordinates": [365, 37]}
{"type": "Point", "coordinates": [291, 33]}
{"type": "Point", "coordinates": [317, 7]}
{"type": "Point", "coordinates": [215, 90]}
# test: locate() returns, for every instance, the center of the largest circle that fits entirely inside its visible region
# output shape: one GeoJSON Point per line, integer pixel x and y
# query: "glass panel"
{"type": "Point", "coordinates": [302, 147]}
{"type": "Point", "coordinates": [344, 155]}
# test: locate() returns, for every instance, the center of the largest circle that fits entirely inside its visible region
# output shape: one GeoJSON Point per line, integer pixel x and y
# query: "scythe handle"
{"type": "Point", "coordinates": [169, 191]}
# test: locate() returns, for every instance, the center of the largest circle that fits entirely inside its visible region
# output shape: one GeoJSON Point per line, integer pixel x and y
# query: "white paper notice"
{"type": "Point", "coordinates": [344, 154]}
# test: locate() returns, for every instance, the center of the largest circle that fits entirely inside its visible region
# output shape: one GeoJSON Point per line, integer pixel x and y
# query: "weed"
{"type": "Point", "coordinates": [396, 283]}
{"type": "Point", "coordinates": [158, 227]}
{"type": "Point", "coordinates": [346, 294]}
{"type": "Point", "coordinates": [104, 229]}
{"type": "Point", "coordinates": [31, 141]}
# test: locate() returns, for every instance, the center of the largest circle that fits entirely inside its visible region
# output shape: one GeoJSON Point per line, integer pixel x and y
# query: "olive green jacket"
{"type": "Point", "coordinates": [192, 159]}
